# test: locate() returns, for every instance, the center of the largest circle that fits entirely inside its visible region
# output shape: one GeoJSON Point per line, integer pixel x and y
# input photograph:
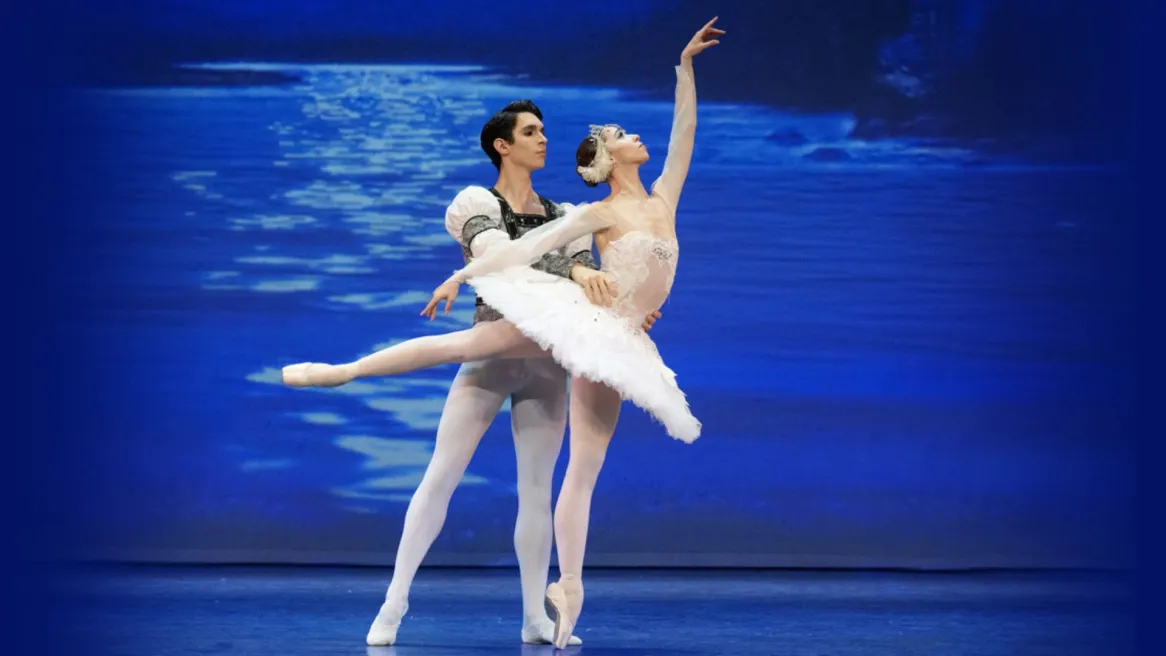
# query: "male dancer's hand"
{"type": "Point", "coordinates": [650, 320]}
{"type": "Point", "coordinates": [599, 288]}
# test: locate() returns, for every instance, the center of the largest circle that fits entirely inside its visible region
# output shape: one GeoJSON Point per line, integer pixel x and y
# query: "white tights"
{"type": "Point", "coordinates": [538, 392]}
{"type": "Point", "coordinates": [486, 340]}
{"type": "Point", "coordinates": [495, 349]}
{"type": "Point", "coordinates": [470, 408]}
{"type": "Point", "coordinates": [594, 412]}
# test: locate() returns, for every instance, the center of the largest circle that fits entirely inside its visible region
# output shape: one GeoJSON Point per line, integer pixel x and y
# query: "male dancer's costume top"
{"type": "Point", "coordinates": [478, 216]}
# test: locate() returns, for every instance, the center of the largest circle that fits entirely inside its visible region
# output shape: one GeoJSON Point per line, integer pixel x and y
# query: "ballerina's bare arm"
{"type": "Point", "coordinates": [680, 142]}
{"type": "Point", "coordinates": [578, 222]}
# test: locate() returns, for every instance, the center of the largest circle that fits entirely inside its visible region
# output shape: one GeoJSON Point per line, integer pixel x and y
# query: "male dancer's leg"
{"type": "Point", "coordinates": [486, 340]}
{"type": "Point", "coordinates": [476, 395]}
{"type": "Point", "coordinates": [538, 417]}
{"type": "Point", "coordinates": [595, 411]}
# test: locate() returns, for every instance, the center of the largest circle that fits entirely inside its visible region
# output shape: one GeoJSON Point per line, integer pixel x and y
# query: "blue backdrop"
{"type": "Point", "coordinates": [899, 310]}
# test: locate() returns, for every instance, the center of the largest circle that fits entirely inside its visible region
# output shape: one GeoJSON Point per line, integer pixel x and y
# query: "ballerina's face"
{"type": "Point", "coordinates": [624, 148]}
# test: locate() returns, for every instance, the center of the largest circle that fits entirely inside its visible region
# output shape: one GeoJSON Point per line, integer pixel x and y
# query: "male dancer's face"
{"type": "Point", "coordinates": [529, 150]}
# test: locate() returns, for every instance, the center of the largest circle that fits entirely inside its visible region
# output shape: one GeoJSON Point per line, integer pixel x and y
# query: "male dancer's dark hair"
{"type": "Point", "coordinates": [501, 126]}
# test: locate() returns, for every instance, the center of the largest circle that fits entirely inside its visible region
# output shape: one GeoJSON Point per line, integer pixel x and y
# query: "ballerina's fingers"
{"type": "Point", "coordinates": [431, 308]}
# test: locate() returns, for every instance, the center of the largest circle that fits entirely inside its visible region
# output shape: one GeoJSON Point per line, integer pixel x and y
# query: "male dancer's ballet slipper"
{"type": "Point", "coordinates": [383, 631]}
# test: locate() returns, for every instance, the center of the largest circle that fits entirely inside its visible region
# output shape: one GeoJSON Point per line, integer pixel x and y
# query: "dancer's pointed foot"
{"type": "Point", "coordinates": [542, 632]}
{"type": "Point", "coordinates": [564, 605]}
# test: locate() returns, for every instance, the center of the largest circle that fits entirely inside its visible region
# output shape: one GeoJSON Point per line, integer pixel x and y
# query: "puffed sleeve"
{"type": "Point", "coordinates": [474, 219]}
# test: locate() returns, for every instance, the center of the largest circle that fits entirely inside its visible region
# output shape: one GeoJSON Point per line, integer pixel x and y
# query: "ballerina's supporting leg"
{"type": "Point", "coordinates": [485, 341]}
{"type": "Point", "coordinates": [594, 413]}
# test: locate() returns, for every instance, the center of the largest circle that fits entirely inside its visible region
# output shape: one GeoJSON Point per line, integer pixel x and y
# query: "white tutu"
{"type": "Point", "coordinates": [590, 341]}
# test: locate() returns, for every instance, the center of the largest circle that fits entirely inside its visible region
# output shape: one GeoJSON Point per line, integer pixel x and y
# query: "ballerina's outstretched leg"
{"type": "Point", "coordinates": [485, 341]}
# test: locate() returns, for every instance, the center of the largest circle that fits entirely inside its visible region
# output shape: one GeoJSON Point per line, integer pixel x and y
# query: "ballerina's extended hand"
{"type": "Point", "coordinates": [447, 292]}
{"type": "Point", "coordinates": [701, 41]}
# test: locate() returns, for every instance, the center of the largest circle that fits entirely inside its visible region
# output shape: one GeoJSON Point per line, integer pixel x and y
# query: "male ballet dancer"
{"type": "Point", "coordinates": [514, 141]}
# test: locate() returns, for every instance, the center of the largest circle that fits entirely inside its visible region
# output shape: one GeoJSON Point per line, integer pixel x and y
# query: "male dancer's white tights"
{"type": "Point", "coordinates": [538, 391]}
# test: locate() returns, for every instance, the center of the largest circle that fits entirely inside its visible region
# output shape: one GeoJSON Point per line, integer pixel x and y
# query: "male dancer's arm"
{"type": "Point", "coordinates": [474, 220]}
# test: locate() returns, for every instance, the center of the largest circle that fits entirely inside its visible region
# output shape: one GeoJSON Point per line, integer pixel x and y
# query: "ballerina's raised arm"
{"type": "Point", "coordinates": [680, 142]}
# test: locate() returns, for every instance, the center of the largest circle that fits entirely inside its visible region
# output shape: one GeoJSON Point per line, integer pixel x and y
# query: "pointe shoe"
{"type": "Point", "coordinates": [383, 631]}
{"type": "Point", "coordinates": [316, 374]}
{"type": "Point", "coordinates": [543, 633]}
{"type": "Point", "coordinates": [564, 604]}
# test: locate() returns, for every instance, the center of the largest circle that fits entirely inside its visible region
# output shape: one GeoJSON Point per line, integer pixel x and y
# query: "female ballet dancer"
{"type": "Point", "coordinates": [604, 348]}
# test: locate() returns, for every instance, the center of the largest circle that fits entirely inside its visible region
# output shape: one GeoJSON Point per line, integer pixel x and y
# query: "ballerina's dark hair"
{"type": "Point", "coordinates": [585, 156]}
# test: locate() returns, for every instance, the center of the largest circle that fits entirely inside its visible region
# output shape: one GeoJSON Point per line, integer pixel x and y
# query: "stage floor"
{"type": "Point", "coordinates": [159, 611]}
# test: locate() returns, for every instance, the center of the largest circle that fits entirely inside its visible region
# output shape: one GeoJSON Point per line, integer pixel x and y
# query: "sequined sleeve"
{"type": "Point", "coordinates": [555, 264]}
{"type": "Point", "coordinates": [480, 232]}
{"type": "Point", "coordinates": [586, 258]}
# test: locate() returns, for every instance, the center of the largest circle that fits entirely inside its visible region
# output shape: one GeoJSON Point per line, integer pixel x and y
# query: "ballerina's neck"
{"type": "Point", "coordinates": [626, 184]}
{"type": "Point", "coordinates": [640, 194]}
